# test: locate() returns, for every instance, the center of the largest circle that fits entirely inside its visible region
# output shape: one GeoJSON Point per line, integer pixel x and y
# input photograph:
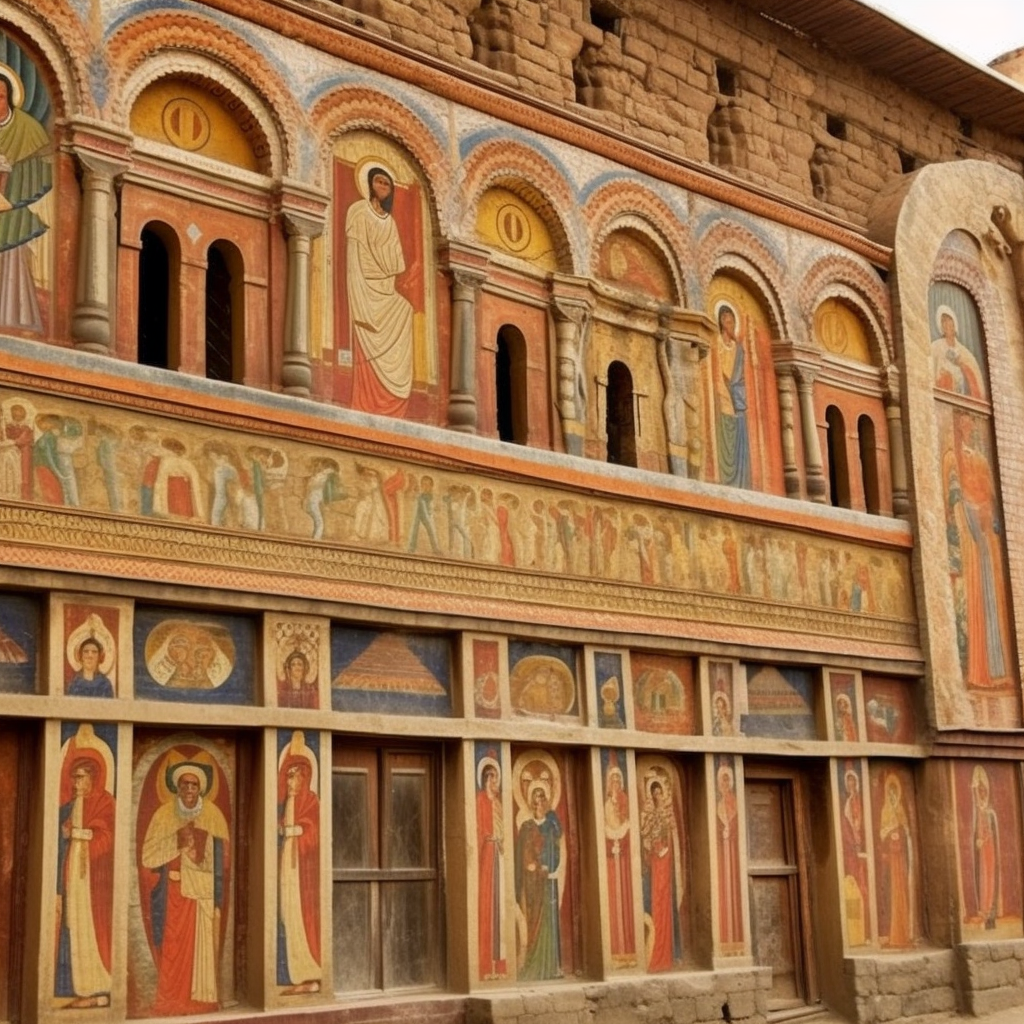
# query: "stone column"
{"type": "Point", "coordinates": [790, 469]}
{"type": "Point", "coordinates": [462, 405]}
{"type": "Point", "coordinates": [897, 455]}
{"type": "Point", "coordinates": [91, 320]}
{"type": "Point", "coordinates": [572, 326]}
{"type": "Point", "coordinates": [296, 374]}
{"type": "Point", "coordinates": [813, 465]}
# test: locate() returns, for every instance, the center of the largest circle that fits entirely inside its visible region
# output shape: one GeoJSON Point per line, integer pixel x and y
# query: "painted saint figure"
{"type": "Point", "coordinates": [976, 557]}
{"type": "Point", "coordinates": [89, 680]}
{"type": "Point", "coordinates": [540, 854]}
{"type": "Point", "coordinates": [731, 426]}
{"type": "Point", "coordinates": [618, 863]}
{"type": "Point", "coordinates": [382, 318]}
{"type": "Point", "coordinates": [730, 904]}
{"type": "Point", "coordinates": [296, 689]}
{"type": "Point", "coordinates": [298, 947]}
{"type": "Point", "coordinates": [186, 847]}
{"type": "Point", "coordinates": [954, 365]}
{"type": "Point", "coordinates": [898, 857]}
{"type": "Point", "coordinates": [662, 873]}
{"type": "Point", "coordinates": [25, 177]}
{"type": "Point", "coordinates": [987, 888]}
{"type": "Point", "coordinates": [490, 836]}
{"type": "Point", "coordinates": [85, 876]}
{"type": "Point", "coordinates": [855, 861]}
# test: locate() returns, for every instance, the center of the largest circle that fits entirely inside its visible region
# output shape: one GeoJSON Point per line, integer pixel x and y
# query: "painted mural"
{"type": "Point", "coordinates": [988, 815]}
{"type": "Point", "coordinates": [26, 184]}
{"type": "Point", "coordinates": [618, 847]}
{"type": "Point", "coordinates": [662, 693]}
{"type": "Point", "coordinates": [181, 947]}
{"type": "Point", "coordinates": [609, 690]}
{"type": "Point", "coordinates": [977, 561]}
{"type": "Point", "coordinates": [629, 261]}
{"type": "Point", "coordinates": [743, 400]}
{"type": "Point", "coordinates": [491, 847]}
{"type": "Point", "coordinates": [545, 867]}
{"type": "Point", "coordinates": [298, 874]}
{"type": "Point", "coordinates": [721, 675]}
{"type": "Point", "coordinates": [384, 318]}
{"type": "Point", "coordinates": [298, 647]}
{"type": "Point", "coordinates": [842, 691]}
{"type": "Point", "coordinates": [138, 466]}
{"type": "Point", "coordinates": [20, 620]}
{"type": "Point", "coordinates": [487, 678]}
{"type": "Point", "coordinates": [194, 657]}
{"type": "Point", "coordinates": [853, 824]}
{"type": "Point", "coordinates": [505, 222]}
{"type": "Point", "coordinates": [727, 847]}
{"type": "Point", "coordinates": [780, 703]}
{"type": "Point", "coordinates": [663, 862]}
{"type": "Point", "coordinates": [897, 855]}
{"type": "Point", "coordinates": [85, 865]}
{"type": "Point", "coordinates": [889, 710]}
{"type": "Point", "coordinates": [542, 679]}
{"type": "Point", "coordinates": [839, 330]}
{"type": "Point", "coordinates": [958, 353]}
{"type": "Point", "coordinates": [395, 673]}
{"type": "Point", "coordinates": [92, 633]}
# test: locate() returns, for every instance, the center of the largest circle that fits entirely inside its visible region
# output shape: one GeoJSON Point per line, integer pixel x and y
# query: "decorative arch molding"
{"type": "Point", "coordinates": [175, 44]}
{"type": "Point", "coordinates": [626, 204]}
{"type": "Point", "coordinates": [61, 44]}
{"type": "Point", "coordinates": [958, 268]}
{"type": "Point", "coordinates": [838, 276]}
{"type": "Point", "coordinates": [355, 108]}
{"type": "Point", "coordinates": [529, 175]}
{"type": "Point", "coordinates": [727, 247]}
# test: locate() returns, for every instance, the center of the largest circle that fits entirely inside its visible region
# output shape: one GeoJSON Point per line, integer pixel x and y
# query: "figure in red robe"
{"type": "Point", "coordinates": [490, 835]}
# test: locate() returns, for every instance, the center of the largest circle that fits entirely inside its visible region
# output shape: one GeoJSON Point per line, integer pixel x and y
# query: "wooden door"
{"type": "Point", "coordinates": [778, 886]}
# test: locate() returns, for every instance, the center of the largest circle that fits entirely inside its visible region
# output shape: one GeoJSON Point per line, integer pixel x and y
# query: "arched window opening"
{"type": "Point", "coordinates": [838, 469]}
{"type": "Point", "coordinates": [223, 313]}
{"type": "Point", "coordinates": [510, 385]}
{"type": "Point", "coordinates": [620, 422]}
{"type": "Point", "coordinates": [154, 310]}
{"type": "Point", "coordinates": [869, 463]}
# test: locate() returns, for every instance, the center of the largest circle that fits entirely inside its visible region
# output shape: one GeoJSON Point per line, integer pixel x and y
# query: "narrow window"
{"type": "Point", "coordinates": [868, 463]}
{"type": "Point", "coordinates": [908, 162]}
{"type": "Point", "coordinates": [835, 126]}
{"type": "Point", "coordinates": [510, 385]}
{"type": "Point", "coordinates": [838, 470]}
{"type": "Point", "coordinates": [726, 79]}
{"type": "Point", "coordinates": [620, 422]}
{"type": "Point", "coordinates": [154, 301]}
{"type": "Point", "coordinates": [225, 318]}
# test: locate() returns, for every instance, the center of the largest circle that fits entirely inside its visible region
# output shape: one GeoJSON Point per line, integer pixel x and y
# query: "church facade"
{"type": "Point", "coordinates": [509, 511]}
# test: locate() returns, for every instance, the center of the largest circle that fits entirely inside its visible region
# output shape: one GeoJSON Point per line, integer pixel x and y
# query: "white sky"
{"type": "Point", "coordinates": [982, 29]}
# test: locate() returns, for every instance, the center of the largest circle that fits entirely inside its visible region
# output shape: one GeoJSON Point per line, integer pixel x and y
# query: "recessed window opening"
{"type": "Point", "coordinates": [835, 126]}
{"type": "Point", "coordinates": [726, 78]}
{"type": "Point", "coordinates": [966, 126]}
{"type": "Point", "coordinates": [838, 470]}
{"type": "Point", "coordinates": [620, 420]}
{"type": "Point", "coordinates": [223, 312]}
{"type": "Point", "coordinates": [606, 17]}
{"type": "Point", "coordinates": [154, 313]}
{"type": "Point", "coordinates": [908, 162]}
{"type": "Point", "coordinates": [868, 463]}
{"type": "Point", "coordinates": [510, 385]}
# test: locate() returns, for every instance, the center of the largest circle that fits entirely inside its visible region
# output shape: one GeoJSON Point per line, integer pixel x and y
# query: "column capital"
{"type": "Point", "coordinates": [97, 148]}
{"type": "Point", "coordinates": [303, 210]}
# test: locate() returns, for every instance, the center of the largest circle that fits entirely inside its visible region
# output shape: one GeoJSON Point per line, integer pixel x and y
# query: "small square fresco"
{"type": "Point", "coordinates": [20, 621]}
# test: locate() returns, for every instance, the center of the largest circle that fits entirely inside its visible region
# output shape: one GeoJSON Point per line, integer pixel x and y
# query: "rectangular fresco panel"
{"type": "Point", "coordinates": [298, 649]}
{"type": "Point", "coordinates": [662, 693]}
{"type": "Point", "coordinates": [85, 865]}
{"type": "Point", "coordinates": [93, 641]}
{"type": "Point", "coordinates": [842, 691]}
{"type": "Point", "coordinates": [610, 694]}
{"type": "Point", "coordinates": [181, 941]}
{"type": "Point", "coordinates": [780, 703]}
{"type": "Point", "coordinates": [897, 855]}
{"type": "Point", "coordinates": [197, 658]}
{"type": "Point", "coordinates": [542, 680]}
{"type": "Point", "coordinates": [20, 622]}
{"type": "Point", "coordinates": [989, 834]}
{"type": "Point", "coordinates": [727, 848]}
{"type": "Point", "coordinates": [490, 851]}
{"type": "Point", "coordinates": [619, 843]}
{"type": "Point", "coordinates": [721, 675]}
{"type": "Point", "coordinates": [392, 673]}
{"type": "Point", "coordinates": [486, 656]}
{"type": "Point", "coordinates": [299, 970]}
{"type": "Point", "coordinates": [856, 874]}
{"type": "Point", "coordinates": [889, 710]}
